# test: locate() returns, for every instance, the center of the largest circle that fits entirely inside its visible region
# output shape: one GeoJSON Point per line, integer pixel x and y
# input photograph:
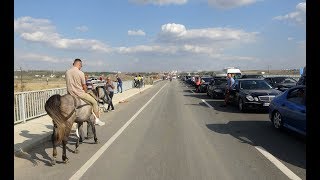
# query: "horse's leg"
{"type": "Point", "coordinates": [89, 129]}
{"type": "Point", "coordinates": [81, 133]}
{"type": "Point", "coordinates": [64, 150]}
{"type": "Point", "coordinates": [93, 129]}
{"type": "Point", "coordinates": [54, 146]}
{"type": "Point", "coordinates": [79, 138]}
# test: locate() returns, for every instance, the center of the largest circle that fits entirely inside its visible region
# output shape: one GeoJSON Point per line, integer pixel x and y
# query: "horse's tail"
{"type": "Point", "coordinates": [52, 107]}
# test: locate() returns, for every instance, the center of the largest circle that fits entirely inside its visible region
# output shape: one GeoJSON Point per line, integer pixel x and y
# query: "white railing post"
{"type": "Point", "coordinates": [23, 107]}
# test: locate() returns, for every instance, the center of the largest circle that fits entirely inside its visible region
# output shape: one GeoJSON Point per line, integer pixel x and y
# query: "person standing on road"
{"type": "Point", "coordinates": [198, 83]}
{"type": "Point", "coordinates": [230, 82]}
{"type": "Point", "coordinates": [76, 86]}
{"type": "Point", "coordinates": [110, 87]}
{"type": "Point", "coordinates": [119, 83]}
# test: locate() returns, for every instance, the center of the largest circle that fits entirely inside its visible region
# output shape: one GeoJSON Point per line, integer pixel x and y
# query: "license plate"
{"type": "Point", "coordinates": [266, 104]}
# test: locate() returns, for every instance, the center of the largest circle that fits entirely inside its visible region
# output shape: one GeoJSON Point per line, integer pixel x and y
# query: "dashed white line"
{"type": "Point", "coordinates": [92, 160]}
{"type": "Point", "coordinates": [278, 164]}
{"type": "Point", "coordinates": [206, 103]}
{"type": "Point", "coordinates": [271, 158]}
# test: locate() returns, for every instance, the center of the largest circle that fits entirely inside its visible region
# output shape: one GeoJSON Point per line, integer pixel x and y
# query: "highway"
{"type": "Point", "coordinates": [169, 132]}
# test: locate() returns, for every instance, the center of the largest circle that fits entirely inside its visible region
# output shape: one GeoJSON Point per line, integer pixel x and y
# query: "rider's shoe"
{"type": "Point", "coordinates": [100, 123]}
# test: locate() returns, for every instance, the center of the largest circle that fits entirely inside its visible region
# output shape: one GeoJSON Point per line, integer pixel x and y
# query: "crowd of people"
{"type": "Point", "coordinates": [138, 81]}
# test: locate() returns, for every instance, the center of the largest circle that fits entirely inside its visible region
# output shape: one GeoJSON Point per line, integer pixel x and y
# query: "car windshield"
{"type": "Point", "coordinates": [206, 79]}
{"type": "Point", "coordinates": [218, 82]}
{"type": "Point", "coordinates": [254, 84]}
{"type": "Point", "coordinates": [279, 79]}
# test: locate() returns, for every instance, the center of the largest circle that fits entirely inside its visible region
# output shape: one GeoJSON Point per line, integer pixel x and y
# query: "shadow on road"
{"type": "Point", "coordinates": [38, 153]}
{"type": "Point", "coordinates": [284, 145]}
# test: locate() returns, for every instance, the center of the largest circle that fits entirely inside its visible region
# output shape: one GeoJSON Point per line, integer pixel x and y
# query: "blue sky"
{"type": "Point", "coordinates": [159, 35]}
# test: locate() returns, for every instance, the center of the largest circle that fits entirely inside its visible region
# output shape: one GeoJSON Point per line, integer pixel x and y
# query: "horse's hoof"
{"type": "Point", "coordinates": [53, 162]}
{"type": "Point", "coordinates": [97, 142]}
{"type": "Point", "coordinates": [76, 151]}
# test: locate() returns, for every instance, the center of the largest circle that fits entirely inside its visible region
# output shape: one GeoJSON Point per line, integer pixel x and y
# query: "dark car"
{"type": "Point", "coordinates": [204, 83]}
{"type": "Point", "coordinates": [288, 110]}
{"type": "Point", "coordinates": [281, 83]}
{"type": "Point", "coordinates": [302, 80]}
{"type": "Point", "coordinates": [252, 93]}
{"type": "Point", "coordinates": [216, 87]}
{"type": "Point", "coordinates": [252, 76]}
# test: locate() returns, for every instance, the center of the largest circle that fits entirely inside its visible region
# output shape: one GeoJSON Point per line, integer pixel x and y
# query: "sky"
{"type": "Point", "coordinates": [159, 35]}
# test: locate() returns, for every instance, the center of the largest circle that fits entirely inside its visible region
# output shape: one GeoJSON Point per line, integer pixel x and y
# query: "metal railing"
{"type": "Point", "coordinates": [30, 104]}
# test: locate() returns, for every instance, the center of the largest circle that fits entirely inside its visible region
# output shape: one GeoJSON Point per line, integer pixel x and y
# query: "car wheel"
{"type": "Point", "coordinates": [241, 105]}
{"type": "Point", "coordinates": [277, 120]}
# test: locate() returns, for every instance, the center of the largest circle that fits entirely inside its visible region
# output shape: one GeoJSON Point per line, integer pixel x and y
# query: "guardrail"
{"type": "Point", "coordinates": [278, 75]}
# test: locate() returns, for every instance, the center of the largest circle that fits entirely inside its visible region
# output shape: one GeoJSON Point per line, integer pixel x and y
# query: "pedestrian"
{"type": "Point", "coordinates": [135, 81]}
{"type": "Point", "coordinates": [198, 83]}
{"type": "Point", "coordinates": [88, 82]}
{"type": "Point", "coordinates": [139, 81]}
{"type": "Point", "coordinates": [76, 86]}
{"type": "Point", "coordinates": [119, 84]}
{"type": "Point", "coordinates": [230, 82]}
{"type": "Point", "coordinates": [110, 88]}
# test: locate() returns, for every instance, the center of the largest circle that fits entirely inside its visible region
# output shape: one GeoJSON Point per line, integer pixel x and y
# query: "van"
{"type": "Point", "coordinates": [236, 73]}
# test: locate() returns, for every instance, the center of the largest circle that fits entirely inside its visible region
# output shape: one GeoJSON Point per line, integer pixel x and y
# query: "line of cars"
{"type": "Point", "coordinates": [282, 97]}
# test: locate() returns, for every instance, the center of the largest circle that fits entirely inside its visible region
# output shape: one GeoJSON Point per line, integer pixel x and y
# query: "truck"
{"type": "Point", "coordinates": [235, 72]}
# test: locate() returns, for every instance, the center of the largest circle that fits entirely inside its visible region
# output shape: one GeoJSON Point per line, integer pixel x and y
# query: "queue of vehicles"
{"type": "Point", "coordinates": [282, 97]}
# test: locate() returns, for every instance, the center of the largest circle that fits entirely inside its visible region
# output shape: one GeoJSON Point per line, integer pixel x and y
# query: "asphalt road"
{"type": "Point", "coordinates": [169, 132]}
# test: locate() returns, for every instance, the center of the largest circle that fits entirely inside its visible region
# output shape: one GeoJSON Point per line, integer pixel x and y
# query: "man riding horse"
{"type": "Point", "coordinates": [76, 86]}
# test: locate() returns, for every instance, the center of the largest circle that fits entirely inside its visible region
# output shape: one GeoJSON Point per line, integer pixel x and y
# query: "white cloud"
{"type": "Point", "coordinates": [160, 2]}
{"type": "Point", "coordinates": [177, 33]}
{"type": "Point", "coordinates": [298, 16]}
{"type": "Point", "coordinates": [42, 31]}
{"type": "Point", "coordinates": [227, 4]}
{"type": "Point", "coordinates": [302, 44]}
{"type": "Point", "coordinates": [290, 38]}
{"type": "Point", "coordinates": [82, 28]}
{"type": "Point", "coordinates": [39, 58]}
{"type": "Point", "coordinates": [146, 49]}
{"type": "Point", "coordinates": [136, 33]}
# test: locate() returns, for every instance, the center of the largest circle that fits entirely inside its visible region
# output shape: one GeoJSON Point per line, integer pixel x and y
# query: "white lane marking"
{"type": "Point", "coordinates": [192, 91]}
{"type": "Point", "coordinates": [92, 160]}
{"type": "Point", "coordinates": [271, 158]}
{"type": "Point", "coordinates": [206, 103]}
{"type": "Point", "coordinates": [277, 163]}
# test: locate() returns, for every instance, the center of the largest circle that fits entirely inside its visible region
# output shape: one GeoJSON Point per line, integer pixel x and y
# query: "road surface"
{"type": "Point", "coordinates": [169, 132]}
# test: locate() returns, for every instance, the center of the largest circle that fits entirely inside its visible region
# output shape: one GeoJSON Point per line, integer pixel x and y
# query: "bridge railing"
{"type": "Point", "coordinates": [30, 104]}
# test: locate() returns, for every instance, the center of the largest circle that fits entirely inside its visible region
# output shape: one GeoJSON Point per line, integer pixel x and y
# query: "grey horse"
{"type": "Point", "coordinates": [66, 110]}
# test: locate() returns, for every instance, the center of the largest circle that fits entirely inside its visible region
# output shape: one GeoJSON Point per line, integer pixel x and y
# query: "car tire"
{"type": "Point", "coordinates": [241, 105]}
{"type": "Point", "coordinates": [277, 120]}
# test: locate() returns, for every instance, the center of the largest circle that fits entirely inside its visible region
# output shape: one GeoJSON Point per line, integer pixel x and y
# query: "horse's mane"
{"type": "Point", "coordinates": [52, 107]}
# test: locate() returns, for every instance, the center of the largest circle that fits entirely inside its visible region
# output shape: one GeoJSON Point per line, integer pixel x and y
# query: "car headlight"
{"type": "Point", "coordinates": [256, 99]}
{"type": "Point", "coordinates": [250, 98]}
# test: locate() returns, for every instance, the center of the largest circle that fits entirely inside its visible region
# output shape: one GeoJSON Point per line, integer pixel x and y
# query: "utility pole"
{"type": "Point", "coordinates": [21, 79]}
